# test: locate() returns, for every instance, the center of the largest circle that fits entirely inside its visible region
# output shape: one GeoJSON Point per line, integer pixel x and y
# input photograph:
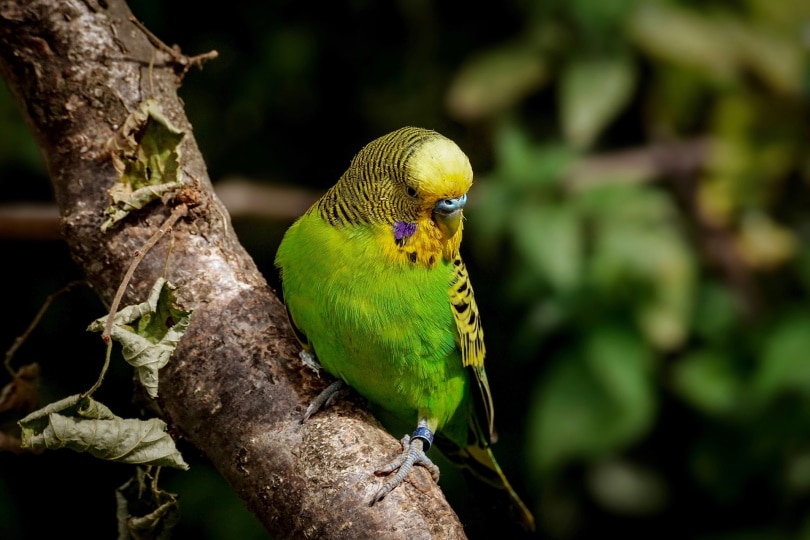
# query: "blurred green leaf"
{"type": "Point", "coordinates": [549, 240]}
{"type": "Point", "coordinates": [790, 15]}
{"type": "Point", "coordinates": [716, 313]}
{"type": "Point", "coordinates": [637, 242]}
{"type": "Point", "coordinates": [593, 402]}
{"type": "Point", "coordinates": [721, 44]}
{"type": "Point", "coordinates": [675, 33]}
{"type": "Point", "coordinates": [525, 171]}
{"type": "Point", "coordinates": [565, 419]}
{"type": "Point", "coordinates": [593, 91]}
{"type": "Point", "coordinates": [495, 80]}
{"type": "Point", "coordinates": [623, 364]}
{"type": "Point", "coordinates": [784, 362]}
{"type": "Point", "coordinates": [777, 59]}
{"type": "Point", "coordinates": [525, 165]}
{"type": "Point", "coordinates": [708, 381]}
{"type": "Point", "coordinates": [599, 18]}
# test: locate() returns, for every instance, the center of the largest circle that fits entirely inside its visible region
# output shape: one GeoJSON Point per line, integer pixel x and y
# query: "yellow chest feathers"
{"type": "Point", "coordinates": [419, 243]}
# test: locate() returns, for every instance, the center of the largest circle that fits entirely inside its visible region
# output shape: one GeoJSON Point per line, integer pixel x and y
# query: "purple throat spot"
{"type": "Point", "coordinates": [403, 230]}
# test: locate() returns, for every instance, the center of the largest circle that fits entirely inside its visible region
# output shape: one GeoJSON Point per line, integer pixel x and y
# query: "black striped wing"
{"type": "Point", "coordinates": [471, 339]}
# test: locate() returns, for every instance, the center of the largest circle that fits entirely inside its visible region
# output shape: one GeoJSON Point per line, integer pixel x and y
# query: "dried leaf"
{"type": "Point", "coordinates": [144, 511]}
{"type": "Point", "coordinates": [148, 332]}
{"type": "Point", "coordinates": [21, 395]}
{"type": "Point", "coordinates": [85, 425]}
{"type": "Point", "coordinates": [146, 154]}
{"type": "Point", "coordinates": [17, 399]}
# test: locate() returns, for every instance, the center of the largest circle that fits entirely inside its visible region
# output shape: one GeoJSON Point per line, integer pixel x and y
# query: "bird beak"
{"type": "Point", "coordinates": [448, 213]}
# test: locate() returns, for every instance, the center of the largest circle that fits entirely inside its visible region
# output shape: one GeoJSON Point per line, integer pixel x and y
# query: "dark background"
{"type": "Point", "coordinates": [638, 239]}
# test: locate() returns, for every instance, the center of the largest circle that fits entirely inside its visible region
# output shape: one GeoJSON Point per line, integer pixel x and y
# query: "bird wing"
{"type": "Point", "coordinates": [471, 338]}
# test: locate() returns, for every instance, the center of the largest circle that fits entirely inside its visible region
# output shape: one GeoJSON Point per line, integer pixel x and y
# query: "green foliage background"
{"type": "Point", "coordinates": [638, 238]}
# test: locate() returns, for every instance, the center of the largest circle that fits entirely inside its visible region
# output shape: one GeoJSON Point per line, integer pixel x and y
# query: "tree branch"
{"type": "Point", "coordinates": [234, 387]}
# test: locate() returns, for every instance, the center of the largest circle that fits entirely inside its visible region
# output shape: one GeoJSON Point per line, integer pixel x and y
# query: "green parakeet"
{"type": "Point", "coordinates": [377, 291]}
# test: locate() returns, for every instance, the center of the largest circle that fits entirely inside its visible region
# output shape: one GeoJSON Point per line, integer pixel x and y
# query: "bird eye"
{"type": "Point", "coordinates": [410, 191]}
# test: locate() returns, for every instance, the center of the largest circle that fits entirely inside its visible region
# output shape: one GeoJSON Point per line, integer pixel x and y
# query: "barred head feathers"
{"type": "Point", "coordinates": [398, 177]}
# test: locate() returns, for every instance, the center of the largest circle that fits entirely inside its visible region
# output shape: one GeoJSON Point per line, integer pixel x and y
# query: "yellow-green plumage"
{"type": "Point", "coordinates": [375, 286]}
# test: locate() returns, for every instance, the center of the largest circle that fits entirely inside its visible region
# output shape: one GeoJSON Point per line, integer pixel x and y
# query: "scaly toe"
{"type": "Point", "coordinates": [325, 398]}
{"type": "Point", "coordinates": [412, 454]}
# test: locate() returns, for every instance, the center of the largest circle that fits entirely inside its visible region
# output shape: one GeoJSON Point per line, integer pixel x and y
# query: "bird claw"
{"type": "Point", "coordinates": [412, 454]}
{"type": "Point", "coordinates": [326, 398]}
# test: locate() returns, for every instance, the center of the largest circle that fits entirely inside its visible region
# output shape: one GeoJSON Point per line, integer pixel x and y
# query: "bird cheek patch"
{"type": "Point", "coordinates": [403, 231]}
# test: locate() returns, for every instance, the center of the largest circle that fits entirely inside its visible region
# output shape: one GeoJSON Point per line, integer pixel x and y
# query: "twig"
{"type": "Point", "coordinates": [22, 338]}
{"type": "Point", "coordinates": [176, 214]}
{"type": "Point", "coordinates": [185, 62]}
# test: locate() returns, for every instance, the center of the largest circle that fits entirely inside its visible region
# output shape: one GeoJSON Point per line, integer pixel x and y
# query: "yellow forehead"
{"type": "Point", "coordinates": [439, 169]}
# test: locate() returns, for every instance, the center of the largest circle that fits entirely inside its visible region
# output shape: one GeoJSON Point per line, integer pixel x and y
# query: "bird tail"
{"type": "Point", "coordinates": [480, 461]}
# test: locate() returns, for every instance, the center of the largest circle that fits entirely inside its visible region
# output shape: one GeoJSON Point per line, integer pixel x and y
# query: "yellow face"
{"type": "Point", "coordinates": [436, 179]}
{"type": "Point", "coordinates": [438, 170]}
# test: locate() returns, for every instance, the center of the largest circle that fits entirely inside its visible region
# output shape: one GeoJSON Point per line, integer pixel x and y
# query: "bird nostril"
{"type": "Point", "coordinates": [450, 205]}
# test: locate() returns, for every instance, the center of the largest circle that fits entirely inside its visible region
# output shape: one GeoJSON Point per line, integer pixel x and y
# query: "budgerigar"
{"type": "Point", "coordinates": [377, 291]}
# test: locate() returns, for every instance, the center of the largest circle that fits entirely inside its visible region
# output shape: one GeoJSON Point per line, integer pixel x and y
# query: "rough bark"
{"type": "Point", "coordinates": [235, 387]}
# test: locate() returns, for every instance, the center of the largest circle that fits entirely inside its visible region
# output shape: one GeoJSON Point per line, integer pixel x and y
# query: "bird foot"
{"type": "Point", "coordinates": [413, 453]}
{"type": "Point", "coordinates": [332, 392]}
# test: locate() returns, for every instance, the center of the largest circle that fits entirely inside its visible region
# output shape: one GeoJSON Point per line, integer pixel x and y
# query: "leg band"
{"type": "Point", "coordinates": [426, 435]}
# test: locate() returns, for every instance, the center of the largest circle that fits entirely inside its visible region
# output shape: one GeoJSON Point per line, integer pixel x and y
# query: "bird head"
{"type": "Point", "coordinates": [410, 175]}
